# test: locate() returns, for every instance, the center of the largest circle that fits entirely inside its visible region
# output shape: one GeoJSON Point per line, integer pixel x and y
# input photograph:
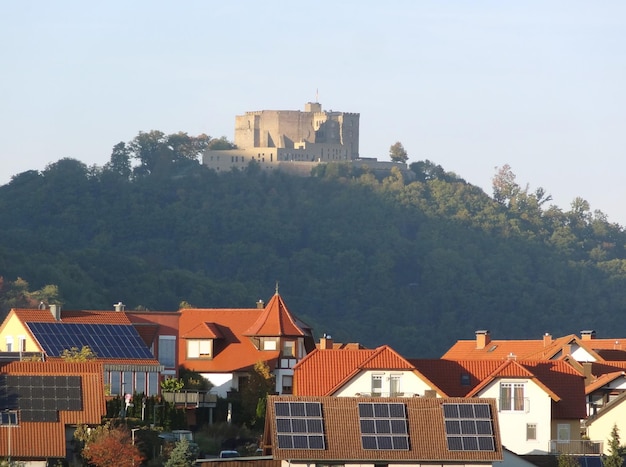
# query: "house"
{"type": "Point", "coordinates": [42, 403]}
{"type": "Point", "coordinates": [370, 431]}
{"type": "Point", "coordinates": [540, 403]}
{"type": "Point", "coordinates": [128, 364]}
{"type": "Point", "coordinates": [223, 345]}
{"type": "Point", "coordinates": [600, 424]}
{"type": "Point", "coordinates": [341, 372]}
{"type": "Point", "coordinates": [586, 348]}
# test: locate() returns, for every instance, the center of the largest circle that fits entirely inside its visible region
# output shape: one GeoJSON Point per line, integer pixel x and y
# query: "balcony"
{"type": "Point", "coordinates": [386, 394]}
{"type": "Point", "coordinates": [190, 398]}
{"type": "Point", "coordinates": [578, 447]}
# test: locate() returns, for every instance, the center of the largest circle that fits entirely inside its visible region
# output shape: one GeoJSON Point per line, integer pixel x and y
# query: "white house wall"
{"type": "Point", "coordinates": [600, 428]}
{"type": "Point", "coordinates": [513, 424]}
{"type": "Point", "coordinates": [581, 355]}
{"type": "Point", "coordinates": [410, 383]}
{"type": "Point", "coordinates": [222, 383]}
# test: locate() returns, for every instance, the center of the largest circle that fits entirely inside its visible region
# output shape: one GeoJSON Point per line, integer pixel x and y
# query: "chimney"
{"type": "Point", "coordinates": [588, 335]}
{"type": "Point", "coordinates": [482, 339]}
{"type": "Point", "coordinates": [119, 306]}
{"type": "Point", "coordinates": [55, 310]}
{"type": "Point", "coordinates": [260, 304]}
{"type": "Point", "coordinates": [326, 342]}
{"type": "Point", "coordinates": [547, 339]}
{"type": "Point", "coordinates": [587, 372]}
{"type": "Point", "coordinates": [511, 356]}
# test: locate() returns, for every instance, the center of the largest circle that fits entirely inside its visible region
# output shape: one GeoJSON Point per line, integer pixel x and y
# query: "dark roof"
{"type": "Point", "coordinates": [342, 437]}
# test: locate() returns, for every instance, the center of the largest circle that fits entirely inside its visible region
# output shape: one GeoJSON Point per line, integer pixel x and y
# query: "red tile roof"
{"type": "Point", "coordinates": [72, 316]}
{"type": "Point", "coordinates": [275, 321]}
{"type": "Point", "coordinates": [561, 382]}
{"type": "Point", "coordinates": [342, 435]}
{"type": "Point", "coordinates": [49, 436]}
{"type": "Point", "coordinates": [538, 349]}
{"type": "Point", "coordinates": [322, 372]}
{"type": "Point", "coordinates": [233, 331]}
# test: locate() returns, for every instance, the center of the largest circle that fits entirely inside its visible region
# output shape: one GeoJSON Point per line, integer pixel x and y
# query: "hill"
{"type": "Point", "coordinates": [414, 264]}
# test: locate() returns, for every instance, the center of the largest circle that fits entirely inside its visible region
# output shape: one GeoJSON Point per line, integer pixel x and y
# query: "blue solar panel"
{"type": "Point", "coordinates": [105, 340]}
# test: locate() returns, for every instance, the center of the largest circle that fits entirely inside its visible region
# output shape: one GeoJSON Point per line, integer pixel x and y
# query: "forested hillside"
{"type": "Point", "coordinates": [414, 264]}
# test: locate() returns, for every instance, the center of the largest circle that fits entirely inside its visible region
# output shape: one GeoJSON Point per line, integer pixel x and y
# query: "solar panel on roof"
{"type": "Point", "coordinates": [105, 340]}
{"type": "Point", "coordinates": [299, 425]}
{"type": "Point", "coordinates": [383, 425]}
{"type": "Point", "coordinates": [469, 427]}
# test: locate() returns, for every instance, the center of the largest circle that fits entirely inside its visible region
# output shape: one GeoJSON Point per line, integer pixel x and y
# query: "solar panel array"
{"type": "Point", "coordinates": [105, 340]}
{"type": "Point", "coordinates": [383, 425]}
{"type": "Point", "coordinates": [39, 398]}
{"type": "Point", "coordinates": [469, 427]}
{"type": "Point", "coordinates": [299, 425]}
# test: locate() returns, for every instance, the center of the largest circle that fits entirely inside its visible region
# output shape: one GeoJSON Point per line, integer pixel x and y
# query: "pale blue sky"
{"type": "Point", "coordinates": [540, 85]}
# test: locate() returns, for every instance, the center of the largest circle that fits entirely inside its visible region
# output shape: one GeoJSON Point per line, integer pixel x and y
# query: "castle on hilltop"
{"type": "Point", "coordinates": [292, 141]}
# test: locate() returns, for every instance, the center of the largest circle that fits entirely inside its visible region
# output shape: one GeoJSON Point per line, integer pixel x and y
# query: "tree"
{"type": "Point", "coordinates": [75, 355]}
{"type": "Point", "coordinates": [182, 455]}
{"type": "Point", "coordinates": [254, 393]}
{"type": "Point", "coordinates": [222, 143]}
{"type": "Point", "coordinates": [398, 153]}
{"type": "Point", "coordinates": [120, 161]}
{"type": "Point", "coordinates": [614, 458]}
{"type": "Point", "coordinates": [109, 446]}
{"type": "Point", "coordinates": [567, 460]}
{"type": "Point", "coordinates": [172, 385]}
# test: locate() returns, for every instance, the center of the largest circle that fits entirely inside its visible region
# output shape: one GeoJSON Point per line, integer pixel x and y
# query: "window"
{"type": "Point", "coordinates": [9, 343]}
{"type": "Point", "coordinates": [269, 344]}
{"type": "Point", "coordinates": [167, 351]}
{"type": "Point", "coordinates": [511, 397]}
{"type": "Point", "coordinates": [287, 384]}
{"type": "Point", "coordinates": [116, 383]}
{"type": "Point", "coordinates": [127, 382]}
{"type": "Point", "coordinates": [531, 432]}
{"type": "Point", "coordinates": [199, 348]}
{"type": "Point", "coordinates": [562, 432]}
{"type": "Point", "coordinates": [465, 379]}
{"type": "Point", "coordinates": [21, 343]}
{"type": "Point", "coordinates": [140, 382]}
{"type": "Point", "coordinates": [394, 385]}
{"type": "Point", "coordinates": [289, 349]}
{"type": "Point", "coordinates": [8, 417]}
{"type": "Point", "coordinates": [377, 385]}
{"type": "Point", "coordinates": [153, 384]}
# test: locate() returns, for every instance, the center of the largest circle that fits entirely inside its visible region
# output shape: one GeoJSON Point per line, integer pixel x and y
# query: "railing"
{"type": "Point", "coordinates": [386, 394]}
{"type": "Point", "coordinates": [579, 447]}
{"type": "Point", "coordinates": [190, 397]}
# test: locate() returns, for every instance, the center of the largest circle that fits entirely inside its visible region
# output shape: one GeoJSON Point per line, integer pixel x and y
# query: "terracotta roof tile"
{"type": "Point", "coordinates": [73, 316]}
{"type": "Point", "coordinates": [501, 349]}
{"type": "Point", "coordinates": [204, 331]}
{"type": "Point", "coordinates": [231, 353]}
{"type": "Point", "coordinates": [275, 320]}
{"type": "Point", "coordinates": [426, 429]}
{"type": "Point", "coordinates": [322, 372]}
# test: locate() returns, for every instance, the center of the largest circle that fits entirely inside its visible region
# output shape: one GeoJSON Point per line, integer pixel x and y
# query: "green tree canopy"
{"type": "Point", "coordinates": [397, 153]}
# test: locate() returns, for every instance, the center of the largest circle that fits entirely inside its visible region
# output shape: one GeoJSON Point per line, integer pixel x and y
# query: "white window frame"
{"type": "Point", "coordinates": [531, 432]}
{"type": "Point", "coordinates": [378, 377]}
{"type": "Point", "coordinates": [199, 348]}
{"type": "Point", "coordinates": [9, 343]}
{"type": "Point", "coordinates": [395, 380]}
{"type": "Point", "coordinates": [512, 402]}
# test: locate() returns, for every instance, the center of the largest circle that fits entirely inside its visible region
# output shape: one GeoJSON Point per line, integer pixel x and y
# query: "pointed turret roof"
{"type": "Point", "coordinates": [276, 320]}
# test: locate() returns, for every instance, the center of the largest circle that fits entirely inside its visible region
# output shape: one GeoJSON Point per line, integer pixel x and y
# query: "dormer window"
{"type": "Point", "coordinates": [268, 343]}
{"type": "Point", "coordinates": [199, 348]}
